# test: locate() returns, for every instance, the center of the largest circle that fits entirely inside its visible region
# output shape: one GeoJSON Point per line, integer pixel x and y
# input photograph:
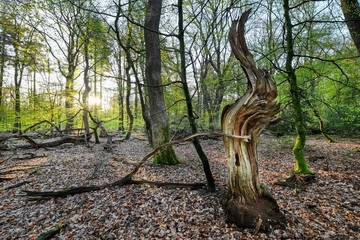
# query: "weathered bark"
{"type": "Point", "coordinates": [248, 204]}
{"type": "Point", "coordinates": [351, 11]}
{"type": "Point", "coordinates": [159, 121]}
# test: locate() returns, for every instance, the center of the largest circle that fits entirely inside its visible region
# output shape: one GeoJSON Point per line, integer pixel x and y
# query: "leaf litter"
{"type": "Point", "coordinates": [329, 208]}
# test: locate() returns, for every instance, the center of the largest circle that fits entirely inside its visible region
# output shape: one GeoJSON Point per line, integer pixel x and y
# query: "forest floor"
{"type": "Point", "coordinates": [328, 208]}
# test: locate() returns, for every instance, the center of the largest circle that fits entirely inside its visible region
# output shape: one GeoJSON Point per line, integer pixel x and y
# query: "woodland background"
{"type": "Point", "coordinates": [137, 74]}
{"type": "Point", "coordinates": [48, 46]}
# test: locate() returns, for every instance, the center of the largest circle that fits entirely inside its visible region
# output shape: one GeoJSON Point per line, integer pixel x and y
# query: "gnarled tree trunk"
{"type": "Point", "coordinates": [248, 204]}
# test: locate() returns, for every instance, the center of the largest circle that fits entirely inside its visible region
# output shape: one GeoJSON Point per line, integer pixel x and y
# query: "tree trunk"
{"type": "Point", "coordinates": [248, 204]}
{"type": "Point", "coordinates": [87, 90]}
{"type": "Point", "coordinates": [17, 123]}
{"type": "Point", "coordinates": [127, 102]}
{"type": "Point", "coordinates": [189, 107]}
{"type": "Point", "coordinates": [18, 74]}
{"type": "Point", "coordinates": [129, 61]}
{"type": "Point", "coordinates": [351, 11]}
{"type": "Point", "coordinates": [120, 85]}
{"type": "Point", "coordinates": [298, 149]}
{"type": "Point", "coordinates": [2, 71]}
{"type": "Point", "coordinates": [159, 121]}
{"type": "Point", "coordinates": [69, 94]}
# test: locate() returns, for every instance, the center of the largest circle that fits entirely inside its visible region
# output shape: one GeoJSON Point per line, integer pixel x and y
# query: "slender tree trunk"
{"type": "Point", "coordinates": [128, 104]}
{"type": "Point", "coordinates": [321, 124]}
{"type": "Point", "coordinates": [190, 112]}
{"type": "Point", "coordinates": [298, 149]}
{"type": "Point", "coordinates": [87, 90]}
{"type": "Point", "coordinates": [219, 92]}
{"type": "Point", "coordinates": [17, 80]}
{"type": "Point", "coordinates": [17, 123]}
{"type": "Point", "coordinates": [159, 119]}
{"type": "Point", "coordinates": [69, 89]}
{"type": "Point", "coordinates": [120, 87]}
{"type": "Point", "coordinates": [69, 94]}
{"type": "Point", "coordinates": [121, 105]}
{"type": "Point", "coordinates": [131, 64]}
{"type": "Point", "coordinates": [2, 68]}
{"type": "Point", "coordinates": [248, 204]}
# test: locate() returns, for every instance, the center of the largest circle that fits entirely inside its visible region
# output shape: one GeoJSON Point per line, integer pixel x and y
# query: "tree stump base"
{"type": "Point", "coordinates": [263, 215]}
{"type": "Point", "coordinates": [297, 180]}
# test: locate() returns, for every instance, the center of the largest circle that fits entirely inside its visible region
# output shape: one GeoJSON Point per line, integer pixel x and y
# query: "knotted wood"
{"type": "Point", "coordinates": [248, 204]}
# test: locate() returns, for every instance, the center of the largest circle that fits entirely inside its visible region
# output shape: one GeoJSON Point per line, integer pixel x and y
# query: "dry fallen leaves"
{"type": "Point", "coordinates": [326, 209]}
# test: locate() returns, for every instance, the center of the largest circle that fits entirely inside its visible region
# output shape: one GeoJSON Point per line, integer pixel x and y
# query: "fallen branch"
{"type": "Point", "coordinates": [33, 144]}
{"type": "Point", "coordinates": [3, 179]}
{"type": "Point", "coordinates": [6, 159]}
{"type": "Point", "coordinates": [152, 153]}
{"type": "Point", "coordinates": [124, 181]}
{"type": "Point", "coordinates": [15, 185]}
{"type": "Point", "coordinates": [65, 192]}
{"type": "Point", "coordinates": [52, 232]}
{"type": "Point", "coordinates": [128, 179]}
{"type": "Point", "coordinates": [44, 121]}
{"type": "Point", "coordinates": [29, 156]}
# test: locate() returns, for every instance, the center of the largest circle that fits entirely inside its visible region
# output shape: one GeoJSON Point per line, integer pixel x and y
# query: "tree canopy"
{"type": "Point", "coordinates": [46, 79]}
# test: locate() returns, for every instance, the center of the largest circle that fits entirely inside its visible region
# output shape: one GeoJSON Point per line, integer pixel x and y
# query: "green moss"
{"type": "Point", "coordinates": [35, 169]}
{"type": "Point", "coordinates": [300, 162]}
{"type": "Point", "coordinates": [166, 156]}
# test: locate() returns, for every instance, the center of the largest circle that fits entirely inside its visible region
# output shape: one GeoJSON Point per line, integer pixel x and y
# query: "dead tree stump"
{"type": "Point", "coordinates": [247, 203]}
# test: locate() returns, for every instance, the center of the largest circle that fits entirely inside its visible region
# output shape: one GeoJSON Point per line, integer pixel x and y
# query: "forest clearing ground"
{"type": "Point", "coordinates": [329, 208]}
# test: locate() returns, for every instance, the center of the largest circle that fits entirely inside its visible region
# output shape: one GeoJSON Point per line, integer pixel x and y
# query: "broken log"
{"type": "Point", "coordinates": [33, 144]}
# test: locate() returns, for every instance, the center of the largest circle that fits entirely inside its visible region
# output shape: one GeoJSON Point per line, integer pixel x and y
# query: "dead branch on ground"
{"type": "Point", "coordinates": [128, 179]}
{"type": "Point", "coordinates": [37, 145]}
{"type": "Point", "coordinates": [15, 185]}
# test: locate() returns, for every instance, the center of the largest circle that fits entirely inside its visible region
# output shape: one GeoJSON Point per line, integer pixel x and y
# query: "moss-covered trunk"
{"type": "Point", "coordinates": [248, 204]}
{"type": "Point", "coordinates": [298, 149]}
